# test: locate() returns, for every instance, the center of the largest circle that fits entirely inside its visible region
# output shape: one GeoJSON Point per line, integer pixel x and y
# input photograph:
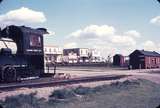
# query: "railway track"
{"type": "Point", "coordinates": [53, 83]}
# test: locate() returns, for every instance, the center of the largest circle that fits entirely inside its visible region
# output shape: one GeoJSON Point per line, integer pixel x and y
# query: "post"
{"type": "Point", "coordinates": [54, 68]}
{"type": "Point", "coordinates": [139, 67]}
{"type": "Point", "coordinates": [47, 68]}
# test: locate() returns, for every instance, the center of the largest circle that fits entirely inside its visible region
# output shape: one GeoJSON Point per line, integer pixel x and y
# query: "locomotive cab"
{"type": "Point", "coordinates": [28, 61]}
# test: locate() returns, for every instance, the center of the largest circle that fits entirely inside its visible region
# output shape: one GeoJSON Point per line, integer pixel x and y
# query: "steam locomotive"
{"type": "Point", "coordinates": [28, 61]}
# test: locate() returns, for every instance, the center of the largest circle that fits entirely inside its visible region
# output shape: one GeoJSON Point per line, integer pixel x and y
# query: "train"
{"type": "Point", "coordinates": [28, 61]}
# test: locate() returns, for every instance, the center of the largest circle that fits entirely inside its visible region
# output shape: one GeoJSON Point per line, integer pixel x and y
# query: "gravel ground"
{"type": "Point", "coordinates": [127, 94]}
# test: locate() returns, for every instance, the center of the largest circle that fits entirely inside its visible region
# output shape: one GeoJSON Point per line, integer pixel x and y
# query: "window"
{"type": "Point", "coordinates": [50, 58]}
{"type": "Point", "coordinates": [54, 50]}
{"type": "Point", "coordinates": [81, 51]}
{"type": "Point", "coordinates": [45, 49]}
{"type": "Point", "coordinates": [154, 61]}
{"type": "Point", "coordinates": [49, 49]}
{"type": "Point", "coordinates": [35, 41]}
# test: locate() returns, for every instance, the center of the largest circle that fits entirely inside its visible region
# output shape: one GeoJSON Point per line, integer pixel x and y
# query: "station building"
{"type": "Point", "coordinates": [140, 59]}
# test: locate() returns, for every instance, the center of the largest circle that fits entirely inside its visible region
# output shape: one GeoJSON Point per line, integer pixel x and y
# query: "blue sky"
{"type": "Point", "coordinates": [65, 17]}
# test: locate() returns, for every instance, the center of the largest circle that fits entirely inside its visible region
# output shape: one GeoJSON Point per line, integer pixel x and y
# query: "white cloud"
{"type": "Point", "coordinates": [22, 16]}
{"type": "Point", "coordinates": [155, 20]}
{"type": "Point", "coordinates": [70, 45]}
{"type": "Point", "coordinates": [150, 45]}
{"type": "Point", "coordinates": [106, 50]}
{"type": "Point", "coordinates": [104, 35]}
{"type": "Point", "coordinates": [123, 40]}
{"type": "Point", "coordinates": [93, 31]}
{"type": "Point", "coordinates": [133, 33]}
{"type": "Point", "coordinates": [159, 48]}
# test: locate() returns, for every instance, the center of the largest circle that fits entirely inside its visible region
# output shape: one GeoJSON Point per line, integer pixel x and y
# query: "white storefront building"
{"type": "Point", "coordinates": [73, 55]}
{"type": "Point", "coordinates": [82, 55]}
{"type": "Point", "coordinates": [95, 55]}
{"type": "Point", "coordinates": [76, 55]}
{"type": "Point", "coordinates": [53, 54]}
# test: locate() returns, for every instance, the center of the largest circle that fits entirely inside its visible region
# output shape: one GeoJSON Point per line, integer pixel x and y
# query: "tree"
{"type": "Point", "coordinates": [109, 60]}
{"type": "Point", "coordinates": [158, 1]}
{"type": "Point", "coordinates": [1, 1]}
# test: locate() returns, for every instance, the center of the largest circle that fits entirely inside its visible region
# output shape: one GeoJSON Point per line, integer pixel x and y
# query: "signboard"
{"type": "Point", "coordinates": [35, 41]}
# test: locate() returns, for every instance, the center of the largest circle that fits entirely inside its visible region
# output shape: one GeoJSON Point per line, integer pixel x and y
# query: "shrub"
{"type": "Point", "coordinates": [62, 94]}
{"type": "Point", "coordinates": [125, 85]}
{"type": "Point", "coordinates": [83, 90]}
{"type": "Point", "coordinates": [22, 100]}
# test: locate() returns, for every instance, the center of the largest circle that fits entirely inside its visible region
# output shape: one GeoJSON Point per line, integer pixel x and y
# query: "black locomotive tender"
{"type": "Point", "coordinates": [28, 61]}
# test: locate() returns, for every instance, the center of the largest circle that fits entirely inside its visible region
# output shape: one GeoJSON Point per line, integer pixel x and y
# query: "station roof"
{"type": "Point", "coordinates": [149, 53]}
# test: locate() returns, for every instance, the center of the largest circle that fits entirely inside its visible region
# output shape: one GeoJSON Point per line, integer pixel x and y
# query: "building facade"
{"type": "Point", "coordinates": [95, 56]}
{"type": "Point", "coordinates": [53, 54]}
{"type": "Point", "coordinates": [76, 55]}
{"type": "Point", "coordinates": [82, 55]}
{"type": "Point", "coordinates": [72, 55]}
{"type": "Point", "coordinates": [140, 59]}
{"type": "Point", "coordinates": [118, 60]}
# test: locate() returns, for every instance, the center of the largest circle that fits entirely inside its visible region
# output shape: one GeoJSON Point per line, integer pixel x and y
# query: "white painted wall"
{"type": "Point", "coordinates": [53, 50]}
{"type": "Point", "coordinates": [84, 52]}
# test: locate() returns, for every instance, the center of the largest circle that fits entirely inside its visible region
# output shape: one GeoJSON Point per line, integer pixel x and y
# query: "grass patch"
{"type": "Point", "coordinates": [83, 90]}
{"type": "Point", "coordinates": [62, 94]}
{"type": "Point", "coordinates": [23, 101]}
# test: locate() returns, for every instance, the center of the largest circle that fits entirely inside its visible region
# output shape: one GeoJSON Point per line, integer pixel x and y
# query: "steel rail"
{"type": "Point", "coordinates": [61, 82]}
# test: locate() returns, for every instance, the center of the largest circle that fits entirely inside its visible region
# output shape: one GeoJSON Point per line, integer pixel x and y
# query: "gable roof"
{"type": "Point", "coordinates": [118, 55]}
{"type": "Point", "coordinates": [149, 53]}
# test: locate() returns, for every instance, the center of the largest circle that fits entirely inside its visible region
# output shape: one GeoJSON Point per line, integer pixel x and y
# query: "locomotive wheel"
{"type": "Point", "coordinates": [9, 73]}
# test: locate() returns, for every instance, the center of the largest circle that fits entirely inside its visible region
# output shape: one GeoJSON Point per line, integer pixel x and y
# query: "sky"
{"type": "Point", "coordinates": [111, 26]}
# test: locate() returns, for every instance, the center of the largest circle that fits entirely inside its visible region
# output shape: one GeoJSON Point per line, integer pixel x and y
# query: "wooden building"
{"type": "Point", "coordinates": [76, 55]}
{"type": "Point", "coordinates": [118, 60]}
{"type": "Point", "coordinates": [53, 54]}
{"type": "Point", "coordinates": [140, 59]}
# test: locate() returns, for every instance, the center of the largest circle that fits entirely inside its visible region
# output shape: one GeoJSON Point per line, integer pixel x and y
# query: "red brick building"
{"type": "Point", "coordinates": [118, 60]}
{"type": "Point", "coordinates": [140, 59]}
